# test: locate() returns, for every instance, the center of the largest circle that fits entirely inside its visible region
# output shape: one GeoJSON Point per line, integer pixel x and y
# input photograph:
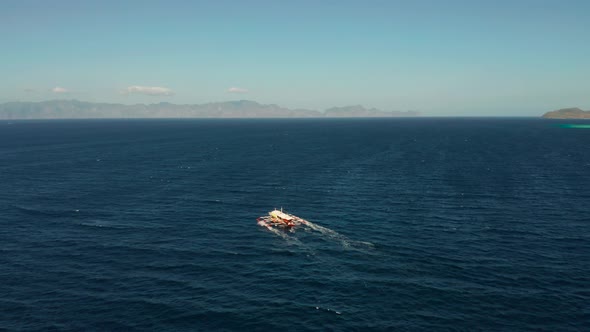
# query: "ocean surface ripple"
{"type": "Point", "coordinates": [414, 225]}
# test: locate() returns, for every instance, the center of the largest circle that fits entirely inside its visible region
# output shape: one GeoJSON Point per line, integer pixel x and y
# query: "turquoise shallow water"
{"type": "Point", "coordinates": [417, 224]}
{"type": "Point", "coordinates": [576, 125]}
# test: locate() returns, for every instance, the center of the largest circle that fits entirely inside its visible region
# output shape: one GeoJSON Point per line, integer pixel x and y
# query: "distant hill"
{"type": "Point", "coordinates": [568, 113]}
{"type": "Point", "coordinates": [359, 111]}
{"type": "Point", "coordinates": [75, 109]}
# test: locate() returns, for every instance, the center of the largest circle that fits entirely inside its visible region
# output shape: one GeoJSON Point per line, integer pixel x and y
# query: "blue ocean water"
{"type": "Point", "coordinates": [418, 225]}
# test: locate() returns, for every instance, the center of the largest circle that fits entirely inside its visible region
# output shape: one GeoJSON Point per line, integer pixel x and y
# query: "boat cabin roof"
{"type": "Point", "coordinates": [280, 214]}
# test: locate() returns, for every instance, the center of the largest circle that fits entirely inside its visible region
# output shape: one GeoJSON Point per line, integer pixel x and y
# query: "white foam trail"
{"type": "Point", "coordinates": [282, 234]}
{"type": "Point", "coordinates": [345, 241]}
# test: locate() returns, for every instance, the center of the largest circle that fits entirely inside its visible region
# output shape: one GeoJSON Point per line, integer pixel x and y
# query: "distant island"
{"type": "Point", "coordinates": [567, 113]}
{"type": "Point", "coordinates": [75, 109]}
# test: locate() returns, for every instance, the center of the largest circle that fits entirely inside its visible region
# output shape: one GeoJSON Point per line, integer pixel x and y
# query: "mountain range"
{"type": "Point", "coordinates": [75, 109]}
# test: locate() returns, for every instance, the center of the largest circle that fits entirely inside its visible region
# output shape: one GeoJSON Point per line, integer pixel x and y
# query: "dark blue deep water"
{"type": "Point", "coordinates": [419, 225]}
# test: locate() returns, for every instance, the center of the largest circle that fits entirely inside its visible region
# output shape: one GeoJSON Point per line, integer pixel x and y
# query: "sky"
{"type": "Point", "coordinates": [477, 58]}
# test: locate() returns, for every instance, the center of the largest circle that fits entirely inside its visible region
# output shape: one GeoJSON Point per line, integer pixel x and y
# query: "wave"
{"type": "Point", "coordinates": [104, 224]}
{"type": "Point", "coordinates": [35, 211]}
{"type": "Point", "coordinates": [328, 233]}
{"type": "Point", "coordinates": [324, 232]}
{"type": "Point", "coordinates": [282, 234]}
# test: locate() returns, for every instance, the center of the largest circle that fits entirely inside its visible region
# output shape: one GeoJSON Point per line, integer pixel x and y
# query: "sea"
{"type": "Point", "coordinates": [415, 224]}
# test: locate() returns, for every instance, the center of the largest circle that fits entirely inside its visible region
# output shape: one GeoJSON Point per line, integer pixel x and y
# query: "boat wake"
{"type": "Point", "coordinates": [288, 223]}
{"type": "Point", "coordinates": [346, 242]}
{"type": "Point", "coordinates": [281, 233]}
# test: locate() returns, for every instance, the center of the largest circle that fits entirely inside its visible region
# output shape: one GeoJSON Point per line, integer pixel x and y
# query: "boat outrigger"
{"type": "Point", "coordinates": [278, 218]}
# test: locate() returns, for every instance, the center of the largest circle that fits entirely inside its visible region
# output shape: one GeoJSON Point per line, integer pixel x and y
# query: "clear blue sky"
{"type": "Point", "coordinates": [439, 57]}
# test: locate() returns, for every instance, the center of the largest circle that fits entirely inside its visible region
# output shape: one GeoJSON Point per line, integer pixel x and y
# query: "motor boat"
{"type": "Point", "coordinates": [279, 218]}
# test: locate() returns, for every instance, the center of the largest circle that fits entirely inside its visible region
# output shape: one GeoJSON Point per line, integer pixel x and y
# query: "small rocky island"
{"type": "Point", "coordinates": [567, 113]}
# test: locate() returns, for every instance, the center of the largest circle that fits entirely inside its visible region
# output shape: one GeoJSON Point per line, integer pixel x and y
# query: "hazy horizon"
{"type": "Point", "coordinates": [417, 113]}
{"type": "Point", "coordinates": [460, 58]}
